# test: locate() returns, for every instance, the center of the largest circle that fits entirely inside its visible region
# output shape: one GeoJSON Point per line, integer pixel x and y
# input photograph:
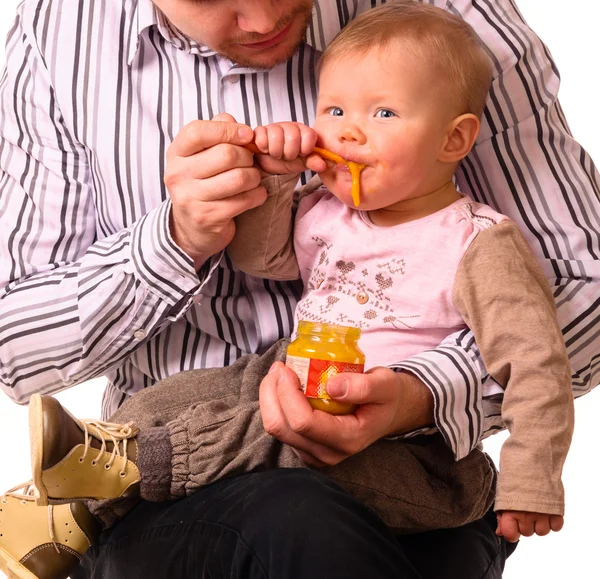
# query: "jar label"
{"type": "Point", "coordinates": [314, 374]}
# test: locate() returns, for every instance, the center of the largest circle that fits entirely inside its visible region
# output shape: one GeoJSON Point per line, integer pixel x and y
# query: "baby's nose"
{"type": "Point", "coordinates": [352, 134]}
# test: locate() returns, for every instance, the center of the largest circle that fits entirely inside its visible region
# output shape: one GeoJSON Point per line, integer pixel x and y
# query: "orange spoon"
{"type": "Point", "coordinates": [354, 168]}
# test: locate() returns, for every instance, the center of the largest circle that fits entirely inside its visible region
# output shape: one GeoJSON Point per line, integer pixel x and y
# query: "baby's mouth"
{"type": "Point", "coordinates": [354, 169]}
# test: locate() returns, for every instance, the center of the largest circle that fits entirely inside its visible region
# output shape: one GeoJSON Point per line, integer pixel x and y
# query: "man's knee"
{"type": "Point", "coordinates": [304, 502]}
{"type": "Point", "coordinates": [295, 497]}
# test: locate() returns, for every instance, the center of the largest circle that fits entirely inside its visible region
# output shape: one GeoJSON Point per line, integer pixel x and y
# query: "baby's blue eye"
{"type": "Point", "coordinates": [336, 112]}
{"type": "Point", "coordinates": [385, 114]}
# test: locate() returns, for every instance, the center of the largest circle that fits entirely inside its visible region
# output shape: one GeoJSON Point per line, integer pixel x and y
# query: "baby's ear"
{"type": "Point", "coordinates": [460, 137]}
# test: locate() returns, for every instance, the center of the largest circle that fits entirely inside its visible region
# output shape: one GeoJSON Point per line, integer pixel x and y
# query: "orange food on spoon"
{"type": "Point", "coordinates": [354, 168]}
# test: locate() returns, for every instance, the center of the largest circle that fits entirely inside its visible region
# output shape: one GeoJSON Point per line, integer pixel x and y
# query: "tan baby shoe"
{"type": "Point", "coordinates": [75, 459]}
{"type": "Point", "coordinates": [42, 542]}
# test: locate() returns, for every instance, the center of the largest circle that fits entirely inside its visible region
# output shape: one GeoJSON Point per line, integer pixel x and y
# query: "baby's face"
{"type": "Point", "coordinates": [385, 110]}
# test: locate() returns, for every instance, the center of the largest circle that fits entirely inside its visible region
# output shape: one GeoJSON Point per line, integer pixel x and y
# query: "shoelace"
{"type": "Point", "coordinates": [115, 433]}
{"type": "Point", "coordinates": [25, 493]}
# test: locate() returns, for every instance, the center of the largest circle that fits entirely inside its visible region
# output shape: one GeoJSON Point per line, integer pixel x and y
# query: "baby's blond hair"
{"type": "Point", "coordinates": [444, 41]}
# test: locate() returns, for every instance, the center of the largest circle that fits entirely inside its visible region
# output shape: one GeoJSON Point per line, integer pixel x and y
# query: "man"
{"type": "Point", "coordinates": [123, 203]}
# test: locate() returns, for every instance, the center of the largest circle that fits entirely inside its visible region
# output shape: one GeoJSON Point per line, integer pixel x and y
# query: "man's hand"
{"type": "Point", "coordinates": [287, 148]}
{"type": "Point", "coordinates": [513, 524]}
{"type": "Point", "coordinates": [389, 403]}
{"type": "Point", "coordinates": [211, 178]}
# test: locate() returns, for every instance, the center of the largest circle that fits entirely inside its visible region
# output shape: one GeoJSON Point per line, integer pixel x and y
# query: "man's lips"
{"type": "Point", "coordinates": [271, 41]}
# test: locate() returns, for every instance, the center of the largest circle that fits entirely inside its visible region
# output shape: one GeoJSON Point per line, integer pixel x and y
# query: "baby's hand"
{"type": "Point", "coordinates": [513, 524]}
{"type": "Point", "coordinates": [287, 148]}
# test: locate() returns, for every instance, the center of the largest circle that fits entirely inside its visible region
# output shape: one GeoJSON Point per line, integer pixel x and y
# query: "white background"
{"type": "Point", "coordinates": [572, 32]}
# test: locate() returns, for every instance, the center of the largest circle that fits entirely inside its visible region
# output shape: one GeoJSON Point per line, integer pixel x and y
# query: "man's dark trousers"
{"type": "Point", "coordinates": [285, 524]}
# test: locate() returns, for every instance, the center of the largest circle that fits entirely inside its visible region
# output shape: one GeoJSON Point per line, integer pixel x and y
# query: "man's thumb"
{"type": "Point", "coordinates": [230, 132]}
{"type": "Point", "coordinates": [337, 387]}
{"type": "Point", "coordinates": [370, 387]}
{"type": "Point", "coordinates": [199, 135]}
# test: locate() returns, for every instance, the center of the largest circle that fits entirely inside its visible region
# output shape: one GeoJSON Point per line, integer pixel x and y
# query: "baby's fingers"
{"type": "Point", "coordinates": [261, 139]}
{"type": "Point", "coordinates": [308, 140]}
{"type": "Point", "coordinates": [277, 141]}
{"type": "Point", "coordinates": [316, 163]}
{"type": "Point", "coordinates": [508, 527]}
{"type": "Point", "coordinates": [556, 522]}
{"type": "Point", "coordinates": [542, 525]}
{"type": "Point", "coordinates": [526, 525]}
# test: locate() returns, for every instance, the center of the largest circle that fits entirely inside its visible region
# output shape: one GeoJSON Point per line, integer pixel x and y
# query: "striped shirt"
{"type": "Point", "coordinates": [91, 282]}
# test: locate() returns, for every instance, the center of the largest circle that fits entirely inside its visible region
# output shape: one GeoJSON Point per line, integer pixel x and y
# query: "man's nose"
{"type": "Point", "coordinates": [351, 133]}
{"type": "Point", "coordinates": [260, 16]}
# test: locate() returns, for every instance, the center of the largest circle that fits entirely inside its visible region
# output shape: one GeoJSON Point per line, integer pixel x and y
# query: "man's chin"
{"type": "Point", "coordinates": [270, 57]}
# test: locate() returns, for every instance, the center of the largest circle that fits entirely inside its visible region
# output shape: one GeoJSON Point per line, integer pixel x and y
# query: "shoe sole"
{"type": "Point", "coordinates": [12, 568]}
{"type": "Point", "coordinates": [36, 440]}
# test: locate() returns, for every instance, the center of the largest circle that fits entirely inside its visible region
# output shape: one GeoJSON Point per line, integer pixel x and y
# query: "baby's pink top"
{"type": "Point", "coordinates": [394, 283]}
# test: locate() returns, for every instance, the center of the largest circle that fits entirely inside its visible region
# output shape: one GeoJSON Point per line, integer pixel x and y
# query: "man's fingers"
{"type": "Point", "coordinates": [335, 436]}
{"type": "Point", "coordinates": [199, 135]}
{"type": "Point", "coordinates": [308, 459]}
{"type": "Point", "coordinates": [217, 213]}
{"type": "Point", "coordinates": [237, 204]}
{"type": "Point", "coordinates": [224, 184]}
{"type": "Point", "coordinates": [207, 164]}
{"type": "Point", "coordinates": [275, 421]}
{"type": "Point", "coordinates": [272, 416]}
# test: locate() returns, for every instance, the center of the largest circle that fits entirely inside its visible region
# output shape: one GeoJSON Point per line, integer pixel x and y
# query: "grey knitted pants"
{"type": "Point", "coordinates": [200, 426]}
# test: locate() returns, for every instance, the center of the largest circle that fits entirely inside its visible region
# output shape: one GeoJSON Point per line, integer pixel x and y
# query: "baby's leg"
{"type": "Point", "coordinates": [414, 485]}
{"type": "Point", "coordinates": [200, 426]}
{"type": "Point", "coordinates": [169, 398]}
{"type": "Point", "coordinates": [197, 427]}
{"type": "Point", "coordinates": [216, 430]}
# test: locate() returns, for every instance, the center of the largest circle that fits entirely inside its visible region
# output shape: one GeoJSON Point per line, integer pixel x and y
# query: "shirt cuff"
{"type": "Point", "coordinates": [161, 265]}
{"type": "Point", "coordinates": [453, 375]}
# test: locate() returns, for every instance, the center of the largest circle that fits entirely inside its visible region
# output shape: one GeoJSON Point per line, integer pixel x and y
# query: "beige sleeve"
{"type": "Point", "coordinates": [505, 299]}
{"type": "Point", "coordinates": [263, 244]}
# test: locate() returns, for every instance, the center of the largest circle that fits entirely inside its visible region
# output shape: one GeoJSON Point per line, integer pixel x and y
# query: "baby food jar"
{"type": "Point", "coordinates": [319, 352]}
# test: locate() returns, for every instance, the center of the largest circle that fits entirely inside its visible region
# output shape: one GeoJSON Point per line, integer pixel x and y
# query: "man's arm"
{"type": "Point", "coordinates": [72, 305]}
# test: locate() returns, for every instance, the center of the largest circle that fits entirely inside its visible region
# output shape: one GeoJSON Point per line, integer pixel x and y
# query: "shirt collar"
{"type": "Point", "coordinates": [325, 24]}
{"type": "Point", "coordinates": [144, 16]}
{"type": "Point", "coordinates": [147, 15]}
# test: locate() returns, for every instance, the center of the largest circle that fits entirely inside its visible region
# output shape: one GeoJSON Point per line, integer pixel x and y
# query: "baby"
{"type": "Point", "coordinates": [402, 89]}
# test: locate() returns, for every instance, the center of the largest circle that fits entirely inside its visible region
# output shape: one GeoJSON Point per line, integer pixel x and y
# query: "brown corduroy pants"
{"type": "Point", "coordinates": [200, 426]}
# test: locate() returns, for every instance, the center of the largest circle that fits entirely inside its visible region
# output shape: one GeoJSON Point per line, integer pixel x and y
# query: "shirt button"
{"type": "Point", "coordinates": [139, 334]}
{"type": "Point", "coordinates": [233, 78]}
{"type": "Point", "coordinates": [362, 297]}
